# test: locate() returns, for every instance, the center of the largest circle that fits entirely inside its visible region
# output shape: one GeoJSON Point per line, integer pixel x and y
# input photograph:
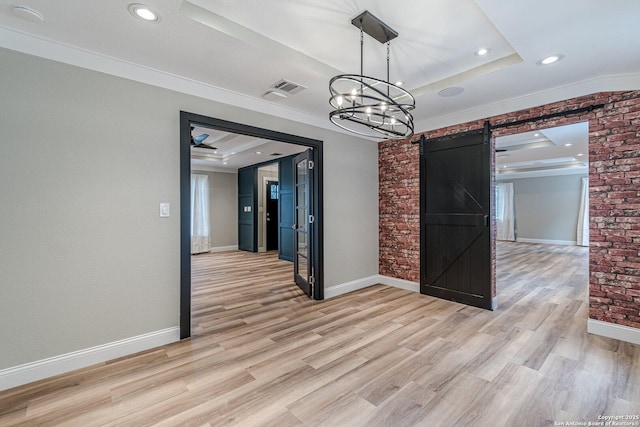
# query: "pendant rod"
{"type": "Point", "coordinates": [361, 64]}
{"type": "Point", "coordinates": [388, 47]}
{"type": "Point", "coordinates": [361, 50]}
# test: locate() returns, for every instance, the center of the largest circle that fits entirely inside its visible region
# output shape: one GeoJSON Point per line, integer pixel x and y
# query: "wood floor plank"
{"type": "Point", "coordinates": [263, 354]}
{"type": "Point", "coordinates": [345, 410]}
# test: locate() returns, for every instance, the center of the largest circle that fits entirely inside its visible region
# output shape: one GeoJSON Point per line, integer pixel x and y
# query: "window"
{"type": "Point", "coordinates": [274, 192]}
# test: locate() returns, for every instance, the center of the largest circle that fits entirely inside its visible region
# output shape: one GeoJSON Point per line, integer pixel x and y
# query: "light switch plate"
{"type": "Point", "coordinates": [165, 210]}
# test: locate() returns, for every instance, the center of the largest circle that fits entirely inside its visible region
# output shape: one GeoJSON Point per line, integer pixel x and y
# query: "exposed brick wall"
{"type": "Point", "coordinates": [614, 209]}
{"type": "Point", "coordinates": [614, 179]}
{"type": "Point", "coordinates": [399, 208]}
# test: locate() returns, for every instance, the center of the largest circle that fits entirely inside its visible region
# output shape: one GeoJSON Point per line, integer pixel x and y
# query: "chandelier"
{"type": "Point", "coordinates": [368, 106]}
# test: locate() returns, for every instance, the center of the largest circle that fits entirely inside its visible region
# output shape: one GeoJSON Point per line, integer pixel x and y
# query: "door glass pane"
{"type": "Point", "coordinates": [303, 268]}
{"type": "Point", "coordinates": [301, 171]}
{"type": "Point", "coordinates": [301, 198]}
{"type": "Point", "coordinates": [302, 243]}
{"type": "Point", "coordinates": [301, 218]}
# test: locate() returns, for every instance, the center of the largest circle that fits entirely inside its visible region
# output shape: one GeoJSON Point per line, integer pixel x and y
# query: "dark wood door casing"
{"type": "Point", "coordinates": [187, 120]}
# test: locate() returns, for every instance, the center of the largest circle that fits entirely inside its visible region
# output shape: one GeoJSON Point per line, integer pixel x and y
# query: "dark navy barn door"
{"type": "Point", "coordinates": [456, 217]}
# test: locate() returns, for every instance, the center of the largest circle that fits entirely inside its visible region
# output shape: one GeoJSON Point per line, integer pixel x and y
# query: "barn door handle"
{"type": "Point", "coordinates": [486, 220]}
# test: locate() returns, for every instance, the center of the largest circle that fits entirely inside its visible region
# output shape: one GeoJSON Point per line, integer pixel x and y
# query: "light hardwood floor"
{"type": "Point", "coordinates": [264, 354]}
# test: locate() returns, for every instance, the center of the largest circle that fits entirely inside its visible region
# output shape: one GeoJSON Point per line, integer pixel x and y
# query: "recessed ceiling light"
{"type": "Point", "coordinates": [482, 51]}
{"type": "Point", "coordinates": [27, 13]}
{"type": "Point", "coordinates": [579, 154]}
{"type": "Point", "coordinates": [551, 59]}
{"type": "Point", "coordinates": [536, 134]}
{"type": "Point", "coordinates": [258, 152]}
{"type": "Point", "coordinates": [225, 163]}
{"type": "Point", "coordinates": [451, 91]}
{"type": "Point", "coordinates": [399, 83]}
{"type": "Point", "coordinates": [568, 144]}
{"type": "Point", "coordinates": [504, 166]}
{"type": "Point", "coordinates": [143, 12]}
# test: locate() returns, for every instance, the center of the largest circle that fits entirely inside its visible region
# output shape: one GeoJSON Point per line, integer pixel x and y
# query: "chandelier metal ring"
{"type": "Point", "coordinates": [381, 107]}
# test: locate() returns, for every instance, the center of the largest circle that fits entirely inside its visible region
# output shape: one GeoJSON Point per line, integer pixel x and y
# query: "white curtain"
{"type": "Point", "coordinates": [505, 212]}
{"type": "Point", "coordinates": [200, 234]}
{"type": "Point", "coordinates": [583, 215]}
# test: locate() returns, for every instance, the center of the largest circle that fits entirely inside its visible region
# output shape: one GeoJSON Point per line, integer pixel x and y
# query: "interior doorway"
{"type": "Point", "coordinates": [247, 209]}
{"type": "Point", "coordinates": [542, 213]}
{"type": "Point", "coordinates": [268, 205]}
{"type": "Point", "coordinates": [271, 215]}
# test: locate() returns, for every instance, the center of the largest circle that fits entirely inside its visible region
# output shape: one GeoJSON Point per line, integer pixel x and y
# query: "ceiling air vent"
{"type": "Point", "coordinates": [288, 87]}
{"type": "Point", "coordinates": [274, 95]}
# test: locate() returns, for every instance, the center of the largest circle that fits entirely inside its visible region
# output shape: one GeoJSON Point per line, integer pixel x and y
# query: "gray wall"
{"type": "Point", "coordinates": [547, 207]}
{"type": "Point", "coordinates": [86, 159]}
{"type": "Point", "coordinates": [223, 208]}
{"type": "Point", "coordinates": [348, 202]}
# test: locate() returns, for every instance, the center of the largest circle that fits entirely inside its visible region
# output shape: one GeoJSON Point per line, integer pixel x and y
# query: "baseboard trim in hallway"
{"type": "Point", "coordinates": [45, 368]}
{"type": "Point", "coordinates": [547, 242]}
{"type": "Point", "coordinates": [223, 249]}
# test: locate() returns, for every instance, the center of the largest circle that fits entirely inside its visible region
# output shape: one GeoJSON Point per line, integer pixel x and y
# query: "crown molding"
{"type": "Point", "coordinates": [60, 52]}
{"type": "Point", "coordinates": [72, 55]}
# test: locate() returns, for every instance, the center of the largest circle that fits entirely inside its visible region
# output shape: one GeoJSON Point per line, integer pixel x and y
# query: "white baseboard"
{"type": "Point", "coordinates": [399, 283]}
{"type": "Point", "coordinates": [40, 369]}
{"type": "Point", "coordinates": [548, 242]}
{"type": "Point", "coordinates": [224, 248]}
{"type": "Point", "coordinates": [365, 282]}
{"type": "Point", "coordinates": [611, 330]}
{"type": "Point", "coordinates": [347, 287]}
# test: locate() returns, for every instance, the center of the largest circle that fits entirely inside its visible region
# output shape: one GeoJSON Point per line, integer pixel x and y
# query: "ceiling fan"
{"type": "Point", "coordinates": [198, 141]}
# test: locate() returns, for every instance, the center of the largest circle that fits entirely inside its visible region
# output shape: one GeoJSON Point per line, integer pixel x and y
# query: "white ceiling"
{"type": "Point", "coordinates": [233, 151]}
{"type": "Point", "coordinates": [560, 150]}
{"type": "Point", "coordinates": [555, 151]}
{"type": "Point", "coordinates": [242, 47]}
{"type": "Point", "coordinates": [233, 51]}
